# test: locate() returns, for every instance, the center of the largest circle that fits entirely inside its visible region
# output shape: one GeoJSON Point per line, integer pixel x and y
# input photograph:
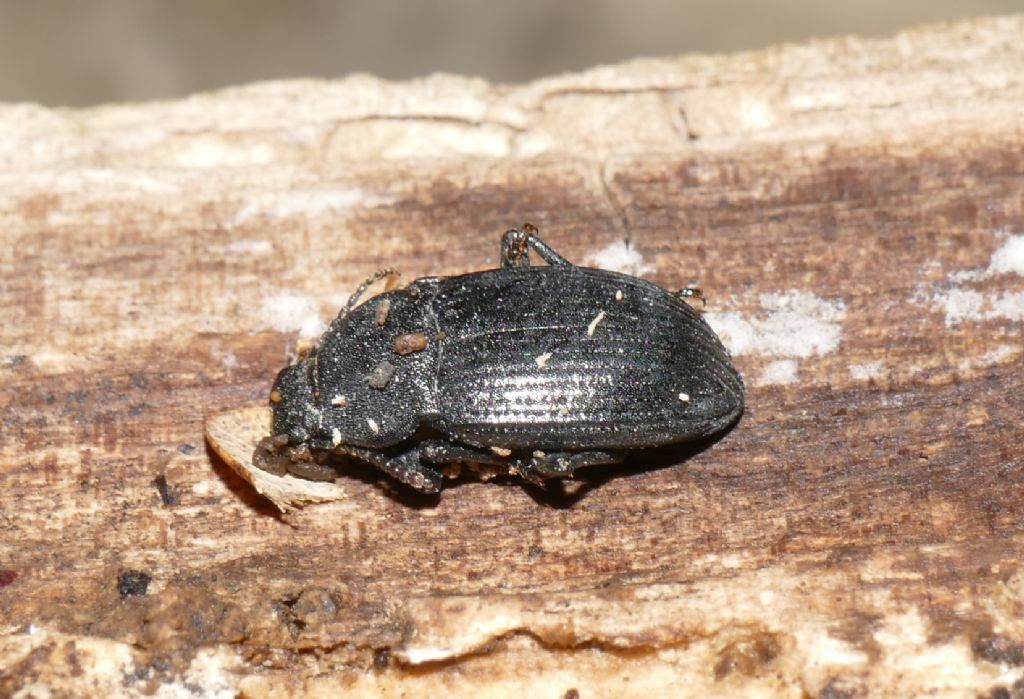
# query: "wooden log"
{"type": "Point", "coordinates": [853, 209]}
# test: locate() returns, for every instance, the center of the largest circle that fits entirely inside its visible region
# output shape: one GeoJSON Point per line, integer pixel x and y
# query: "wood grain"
{"type": "Point", "coordinates": [854, 210]}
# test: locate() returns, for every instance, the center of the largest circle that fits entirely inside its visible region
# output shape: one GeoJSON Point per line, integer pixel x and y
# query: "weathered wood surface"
{"type": "Point", "coordinates": [854, 211]}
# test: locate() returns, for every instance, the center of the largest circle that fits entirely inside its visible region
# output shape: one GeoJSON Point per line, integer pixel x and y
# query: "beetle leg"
{"type": "Point", "coordinates": [517, 243]}
{"type": "Point", "coordinates": [446, 452]}
{"type": "Point", "coordinates": [405, 467]}
{"type": "Point", "coordinates": [563, 464]}
{"type": "Point", "coordinates": [312, 471]}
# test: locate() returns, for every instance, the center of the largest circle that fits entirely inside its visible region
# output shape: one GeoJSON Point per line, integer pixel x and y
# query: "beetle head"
{"type": "Point", "coordinates": [292, 402]}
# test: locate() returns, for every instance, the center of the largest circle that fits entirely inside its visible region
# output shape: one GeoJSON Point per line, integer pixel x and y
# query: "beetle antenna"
{"type": "Point", "coordinates": [361, 289]}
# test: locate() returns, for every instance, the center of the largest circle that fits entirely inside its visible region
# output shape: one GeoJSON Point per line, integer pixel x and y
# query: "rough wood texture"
{"type": "Point", "coordinates": [854, 211]}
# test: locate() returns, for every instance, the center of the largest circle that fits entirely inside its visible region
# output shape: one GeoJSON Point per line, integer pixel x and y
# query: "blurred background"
{"type": "Point", "coordinates": [76, 53]}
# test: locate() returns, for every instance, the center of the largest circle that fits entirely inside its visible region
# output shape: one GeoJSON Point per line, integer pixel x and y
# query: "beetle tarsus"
{"type": "Point", "coordinates": [564, 464]}
{"type": "Point", "coordinates": [537, 469]}
{"type": "Point", "coordinates": [517, 243]}
{"type": "Point", "coordinates": [406, 467]}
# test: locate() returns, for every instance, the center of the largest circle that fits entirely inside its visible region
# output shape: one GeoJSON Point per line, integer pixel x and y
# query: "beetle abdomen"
{"type": "Point", "coordinates": [576, 358]}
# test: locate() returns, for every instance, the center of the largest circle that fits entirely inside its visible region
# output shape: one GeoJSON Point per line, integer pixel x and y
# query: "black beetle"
{"type": "Point", "coordinates": [534, 370]}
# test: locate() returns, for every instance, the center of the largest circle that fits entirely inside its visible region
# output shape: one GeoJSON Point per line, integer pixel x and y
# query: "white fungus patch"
{"type": "Point", "coordinates": [248, 247]}
{"type": "Point", "coordinates": [619, 257]}
{"type": "Point", "coordinates": [868, 370]}
{"type": "Point", "coordinates": [203, 488]}
{"type": "Point", "coordinates": [213, 152]}
{"type": "Point", "coordinates": [997, 356]}
{"type": "Point", "coordinates": [794, 324]}
{"type": "Point", "coordinates": [215, 671]}
{"type": "Point", "coordinates": [307, 204]}
{"type": "Point", "coordinates": [1009, 306]}
{"type": "Point", "coordinates": [780, 372]}
{"type": "Point", "coordinates": [961, 304]}
{"type": "Point", "coordinates": [287, 312]}
{"type": "Point", "coordinates": [1009, 258]}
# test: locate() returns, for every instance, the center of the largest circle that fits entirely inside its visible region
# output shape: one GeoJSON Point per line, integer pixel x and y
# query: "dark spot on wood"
{"type": "Point", "coordinates": [132, 583]}
{"type": "Point", "coordinates": [7, 577]}
{"type": "Point", "coordinates": [987, 645]}
{"type": "Point", "coordinates": [747, 656]}
{"type": "Point", "coordinates": [381, 658]}
{"type": "Point", "coordinates": [1014, 691]}
{"type": "Point", "coordinates": [37, 208]}
{"type": "Point", "coordinates": [167, 496]}
{"type": "Point", "coordinates": [839, 688]}
{"type": "Point", "coordinates": [186, 449]}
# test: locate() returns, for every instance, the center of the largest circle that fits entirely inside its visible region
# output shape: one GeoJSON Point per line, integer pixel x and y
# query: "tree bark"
{"type": "Point", "coordinates": [852, 209]}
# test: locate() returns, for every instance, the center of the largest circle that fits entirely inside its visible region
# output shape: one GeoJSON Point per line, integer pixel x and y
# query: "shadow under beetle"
{"type": "Point", "coordinates": [536, 371]}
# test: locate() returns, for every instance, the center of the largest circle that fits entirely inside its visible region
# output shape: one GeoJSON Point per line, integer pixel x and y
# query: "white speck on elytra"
{"type": "Point", "coordinates": [684, 397]}
{"type": "Point", "coordinates": [501, 451]}
{"type": "Point", "coordinates": [374, 427]}
{"type": "Point", "coordinates": [618, 294]}
{"type": "Point", "coordinates": [594, 323]}
{"type": "Point", "coordinates": [335, 436]}
{"type": "Point", "coordinates": [542, 360]}
{"type": "Point", "coordinates": [339, 400]}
